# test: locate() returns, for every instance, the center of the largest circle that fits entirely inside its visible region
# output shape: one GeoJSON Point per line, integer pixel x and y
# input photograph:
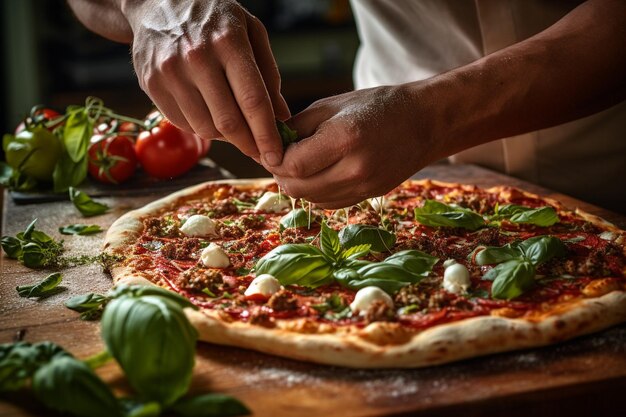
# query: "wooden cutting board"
{"type": "Point", "coordinates": [584, 377]}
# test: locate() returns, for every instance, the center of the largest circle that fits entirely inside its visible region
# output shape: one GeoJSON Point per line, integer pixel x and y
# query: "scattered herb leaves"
{"type": "Point", "coordinates": [45, 288]}
{"type": "Point", "coordinates": [80, 229]}
{"type": "Point", "coordinates": [85, 204]}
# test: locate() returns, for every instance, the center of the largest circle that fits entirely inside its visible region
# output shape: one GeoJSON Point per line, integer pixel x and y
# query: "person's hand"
{"type": "Point", "coordinates": [208, 66]}
{"type": "Point", "coordinates": [356, 145]}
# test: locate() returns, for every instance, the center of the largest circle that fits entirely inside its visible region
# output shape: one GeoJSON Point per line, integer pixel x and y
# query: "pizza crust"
{"type": "Point", "coordinates": [464, 339]}
{"type": "Point", "coordinates": [380, 344]}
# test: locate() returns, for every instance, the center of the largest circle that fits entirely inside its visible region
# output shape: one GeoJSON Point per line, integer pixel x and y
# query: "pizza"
{"type": "Point", "coordinates": [430, 273]}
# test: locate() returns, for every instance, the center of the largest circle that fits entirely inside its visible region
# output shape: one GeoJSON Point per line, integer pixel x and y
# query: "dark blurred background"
{"type": "Point", "coordinates": [50, 58]}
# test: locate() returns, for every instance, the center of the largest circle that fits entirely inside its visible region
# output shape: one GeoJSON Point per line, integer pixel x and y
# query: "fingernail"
{"type": "Point", "coordinates": [272, 159]}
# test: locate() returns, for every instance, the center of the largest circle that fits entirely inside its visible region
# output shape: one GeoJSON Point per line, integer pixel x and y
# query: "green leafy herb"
{"type": "Point", "coordinates": [85, 204]}
{"type": "Point", "coordinates": [77, 133]}
{"type": "Point", "coordinates": [542, 216]}
{"type": "Point", "coordinates": [287, 135]}
{"type": "Point", "coordinates": [300, 264]}
{"type": "Point", "coordinates": [296, 218]}
{"type": "Point", "coordinates": [70, 386]}
{"type": "Point", "coordinates": [516, 262]}
{"type": "Point", "coordinates": [209, 293]}
{"type": "Point", "coordinates": [45, 288]}
{"type": "Point", "coordinates": [380, 240]}
{"type": "Point", "coordinates": [19, 361]}
{"type": "Point", "coordinates": [161, 369]}
{"type": "Point", "coordinates": [33, 248]}
{"type": "Point", "coordinates": [334, 303]}
{"type": "Point", "coordinates": [68, 173]}
{"type": "Point", "coordinates": [306, 265]}
{"type": "Point", "coordinates": [90, 306]}
{"type": "Point", "coordinates": [436, 214]}
{"type": "Point", "coordinates": [80, 229]}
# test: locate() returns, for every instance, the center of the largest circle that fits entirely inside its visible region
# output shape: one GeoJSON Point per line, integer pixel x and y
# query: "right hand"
{"type": "Point", "coordinates": [208, 66]}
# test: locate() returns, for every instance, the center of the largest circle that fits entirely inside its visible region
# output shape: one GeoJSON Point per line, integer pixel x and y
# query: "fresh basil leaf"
{"type": "Point", "coordinates": [300, 264]}
{"type": "Point", "coordinates": [512, 279]}
{"type": "Point", "coordinates": [380, 240]}
{"type": "Point", "coordinates": [33, 255]}
{"type": "Point", "coordinates": [287, 134]}
{"type": "Point", "coordinates": [355, 252]}
{"type": "Point", "coordinates": [45, 288]}
{"type": "Point", "coordinates": [85, 204]}
{"type": "Point", "coordinates": [133, 407]}
{"type": "Point", "coordinates": [436, 214]}
{"type": "Point", "coordinates": [159, 365]}
{"type": "Point", "coordinates": [68, 385]}
{"type": "Point", "coordinates": [77, 133]}
{"type": "Point", "coordinates": [413, 261]}
{"type": "Point", "coordinates": [378, 278]}
{"type": "Point", "coordinates": [495, 255]}
{"type": "Point", "coordinates": [296, 218]}
{"type": "Point", "coordinates": [540, 249]}
{"type": "Point", "coordinates": [19, 361]}
{"type": "Point", "coordinates": [542, 216]}
{"type": "Point", "coordinates": [80, 229]}
{"type": "Point", "coordinates": [86, 302]}
{"type": "Point", "coordinates": [11, 246]}
{"type": "Point", "coordinates": [210, 405]}
{"type": "Point", "coordinates": [68, 173]}
{"type": "Point", "coordinates": [28, 232]}
{"type": "Point", "coordinates": [329, 242]}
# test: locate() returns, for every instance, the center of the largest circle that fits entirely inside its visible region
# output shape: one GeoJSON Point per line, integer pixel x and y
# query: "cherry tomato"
{"type": "Point", "coordinates": [39, 116]}
{"type": "Point", "coordinates": [112, 159]}
{"type": "Point", "coordinates": [165, 151]}
{"type": "Point", "coordinates": [155, 117]}
{"type": "Point", "coordinates": [34, 152]}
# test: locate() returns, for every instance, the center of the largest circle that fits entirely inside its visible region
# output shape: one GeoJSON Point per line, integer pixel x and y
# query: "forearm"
{"type": "Point", "coordinates": [103, 17]}
{"type": "Point", "coordinates": [572, 69]}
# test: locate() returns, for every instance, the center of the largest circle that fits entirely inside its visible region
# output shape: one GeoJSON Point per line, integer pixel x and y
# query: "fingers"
{"type": "Point", "coordinates": [223, 108]}
{"type": "Point", "coordinates": [267, 66]}
{"type": "Point", "coordinates": [246, 83]}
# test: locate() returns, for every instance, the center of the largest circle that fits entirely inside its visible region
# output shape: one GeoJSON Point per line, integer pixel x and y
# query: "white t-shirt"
{"type": "Point", "coordinates": [410, 40]}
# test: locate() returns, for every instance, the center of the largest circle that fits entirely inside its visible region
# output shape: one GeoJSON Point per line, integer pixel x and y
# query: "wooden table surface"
{"type": "Point", "coordinates": [585, 376]}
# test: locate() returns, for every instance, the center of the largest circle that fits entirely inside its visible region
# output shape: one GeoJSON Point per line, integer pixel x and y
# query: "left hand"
{"type": "Point", "coordinates": [356, 145]}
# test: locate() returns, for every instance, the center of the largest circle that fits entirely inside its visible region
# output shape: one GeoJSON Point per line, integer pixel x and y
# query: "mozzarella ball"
{"type": "Point", "coordinates": [272, 202]}
{"type": "Point", "coordinates": [456, 278]}
{"type": "Point", "coordinates": [199, 225]}
{"type": "Point", "coordinates": [265, 285]}
{"type": "Point", "coordinates": [213, 256]}
{"type": "Point", "coordinates": [367, 296]}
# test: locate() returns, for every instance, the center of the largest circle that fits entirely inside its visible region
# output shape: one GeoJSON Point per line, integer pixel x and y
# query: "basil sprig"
{"type": "Point", "coordinates": [45, 288]}
{"type": "Point", "coordinates": [380, 240]}
{"type": "Point", "coordinates": [436, 214]}
{"type": "Point", "coordinates": [85, 204]}
{"type": "Point", "coordinates": [33, 248]}
{"type": "Point", "coordinates": [90, 306]}
{"type": "Point", "coordinates": [516, 264]}
{"type": "Point", "coordinates": [309, 266]}
{"type": "Point", "coordinates": [287, 134]}
{"type": "Point", "coordinates": [542, 216]}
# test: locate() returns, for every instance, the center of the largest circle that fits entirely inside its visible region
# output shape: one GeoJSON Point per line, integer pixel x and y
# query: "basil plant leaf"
{"type": "Point", "coordinates": [355, 252]}
{"type": "Point", "coordinates": [512, 278]}
{"type": "Point", "coordinates": [542, 216]}
{"type": "Point", "coordinates": [380, 240]}
{"type": "Point", "coordinates": [436, 214]}
{"type": "Point", "coordinates": [329, 242]}
{"type": "Point", "coordinates": [413, 261]}
{"type": "Point", "coordinates": [85, 302]}
{"type": "Point", "coordinates": [45, 288]}
{"type": "Point", "coordinates": [11, 246]}
{"type": "Point", "coordinates": [68, 385]}
{"type": "Point", "coordinates": [19, 361]}
{"type": "Point", "coordinates": [540, 249]}
{"type": "Point", "coordinates": [80, 229]}
{"type": "Point", "coordinates": [68, 173]}
{"type": "Point", "coordinates": [299, 264]}
{"type": "Point", "coordinates": [287, 134]}
{"type": "Point", "coordinates": [495, 255]}
{"type": "Point", "coordinates": [296, 218]}
{"type": "Point", "coordinates": [153, 342]}
{"type": "Point", "coordinates": [77, 133]}
{"type": "Point", "coordinates": [354, 280]}
{"type": "Point", "coordinates": [210, 405]}
{"type": "Point", "coordinates": [85, 204]}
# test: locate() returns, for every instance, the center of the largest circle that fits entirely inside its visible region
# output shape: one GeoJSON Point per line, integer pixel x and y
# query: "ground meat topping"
{"type": "Point", "coordinates": [161, 227]}
{"type": "Point", "coordinates": [199, 279]}
{"type": "Point", "coordinates": [184, 250]}
{"type": "Point", "coordinates": [224, 208]}
{"type": "Point", "coordinates": [283, 301]}
{"type": "Point", "coordinates": [380, 311]}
